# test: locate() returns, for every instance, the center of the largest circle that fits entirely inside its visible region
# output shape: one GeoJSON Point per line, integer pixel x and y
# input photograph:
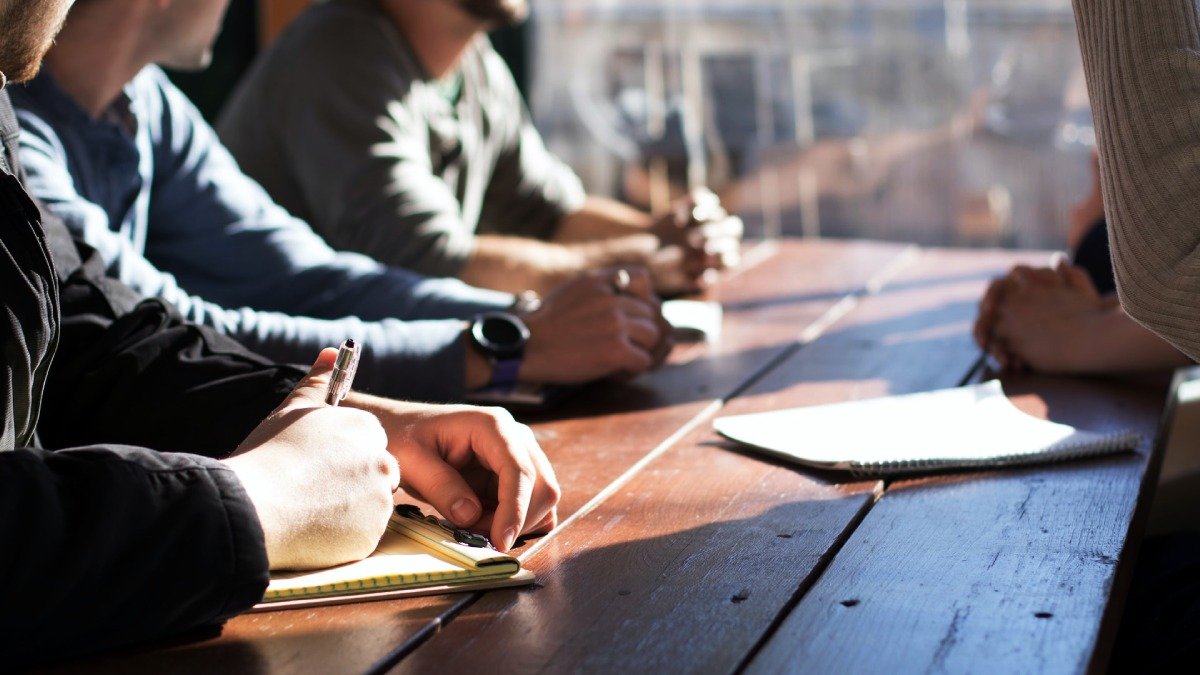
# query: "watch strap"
{"type": "Point", "coordinates": [504, 373]}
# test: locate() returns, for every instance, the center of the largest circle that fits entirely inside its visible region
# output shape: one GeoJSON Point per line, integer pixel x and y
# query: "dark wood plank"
{"type": "Point", "coordinates": [593, 440]}
{"type": "Point", "coordinates": [689, 564]}
{"type": "Point", "coordinates": [1014, 569]}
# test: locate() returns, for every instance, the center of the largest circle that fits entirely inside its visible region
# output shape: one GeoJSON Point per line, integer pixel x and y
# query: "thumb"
{"type": "Point", "coordinates": [312, 389]}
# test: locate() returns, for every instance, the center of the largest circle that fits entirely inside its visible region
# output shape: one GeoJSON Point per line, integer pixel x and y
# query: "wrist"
{"type": "Point", "coordinates": [500, 338]}
{"type": "Point", "coordinates": [477, 368]}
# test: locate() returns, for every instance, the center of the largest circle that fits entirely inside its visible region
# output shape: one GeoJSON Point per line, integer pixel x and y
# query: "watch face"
{"type": "Point", "coordinates": [501, 335]}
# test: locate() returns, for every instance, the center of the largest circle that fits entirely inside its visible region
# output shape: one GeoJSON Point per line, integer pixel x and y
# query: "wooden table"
{"type": "Point", "coordinates": [678, 554]}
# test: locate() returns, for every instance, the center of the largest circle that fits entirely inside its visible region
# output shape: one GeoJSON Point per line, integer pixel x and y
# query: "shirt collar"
{"type": "Point", "coordinates": [120, 114]}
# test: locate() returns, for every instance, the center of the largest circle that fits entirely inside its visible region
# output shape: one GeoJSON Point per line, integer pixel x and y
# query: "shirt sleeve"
{"type": "Point", "coordinates": [226, 240]}
{"type": "Point", "coordinates": [1141, 60]}
{"type": "Point", "coordinates": [106, 546]}
{"type": "Point", "coordinates": [411, 327]}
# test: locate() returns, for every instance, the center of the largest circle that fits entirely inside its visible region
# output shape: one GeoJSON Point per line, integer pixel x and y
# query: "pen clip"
{"type": "Point", "coordinates": [464, 537]}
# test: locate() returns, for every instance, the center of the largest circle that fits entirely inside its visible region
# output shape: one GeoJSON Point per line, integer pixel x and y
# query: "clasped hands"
{"type": "Point", "coordinates": [698, 238]}
{"type": "Point", "coordinates": [1040, 318]}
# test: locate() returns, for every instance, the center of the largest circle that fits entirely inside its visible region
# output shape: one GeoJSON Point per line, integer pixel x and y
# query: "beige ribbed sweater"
{"type": "Point", "coordinates": [1142, 61]}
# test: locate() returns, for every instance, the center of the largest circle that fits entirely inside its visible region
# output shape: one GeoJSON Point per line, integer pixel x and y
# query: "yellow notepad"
{"type": "Point", "coordinates": [416, 556]}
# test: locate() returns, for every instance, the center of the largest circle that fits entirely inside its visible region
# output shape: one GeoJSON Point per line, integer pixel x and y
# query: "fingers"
{"type": "Point", "coordinates": [442, 486]}
{"type": "Point", "coordinates": [638, 284]}
{"type": "Point", "coordinates": [1024, 275]}
{"type": "Point", "coordinates": [515, 489]}
{"type": "Point", "coordinates": [708, 235]}
{"type": "Point", "coordinates": [391, 470]}
{"type": "Point", "coordinates": [640, 323]}
{"type": "Point", "coordinates": [642, 331]}
{"type": "Point", "coordinates": [504, 447]}
{"type": "Point", "coordinates": [988, 306]}
{"type": "Point", "coordinates": [311, 390]}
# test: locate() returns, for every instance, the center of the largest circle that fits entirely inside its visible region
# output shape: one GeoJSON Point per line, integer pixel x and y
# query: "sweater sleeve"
{"type": "Point", "coordinates": [1142, 62]}
{"type": "Point", "coordinates": [106, 546]}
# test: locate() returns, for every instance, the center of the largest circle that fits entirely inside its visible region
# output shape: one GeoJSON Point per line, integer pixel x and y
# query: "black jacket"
{"type": "Point", "coordinates": [109, 533]}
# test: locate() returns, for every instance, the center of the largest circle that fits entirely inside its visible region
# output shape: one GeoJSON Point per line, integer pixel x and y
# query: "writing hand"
{"type": "Point", "coordinates": [320, 477]}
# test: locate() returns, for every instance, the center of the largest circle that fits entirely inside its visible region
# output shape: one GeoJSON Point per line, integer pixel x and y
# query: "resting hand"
{"type": "Point", "coordinates": [586, 330]}
{"type": "Point", "coordinates": [697, 239]}
{"type": "Point", "coordinates": [320, 477]}
{"type": "Point", "coordinates": [1045, 319]}
{"type": "Point", "coordinates": [477, 466]}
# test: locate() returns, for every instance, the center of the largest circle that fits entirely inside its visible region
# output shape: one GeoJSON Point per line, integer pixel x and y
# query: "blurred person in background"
{"type": "Point", "coordinates": [395, 129]}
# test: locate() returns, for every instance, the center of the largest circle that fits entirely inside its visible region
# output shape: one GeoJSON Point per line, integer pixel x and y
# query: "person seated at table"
{"type": "Point", "coordinates": [121, 155]}
{"type": "Point", "coordinates": [398, 132]}
{"type": "Point", "coordinates": [1139, 59]}
{"type": "Point", "coordinates": [152, 470]}
{"type": "Point", "coordinates": [1067, 318]}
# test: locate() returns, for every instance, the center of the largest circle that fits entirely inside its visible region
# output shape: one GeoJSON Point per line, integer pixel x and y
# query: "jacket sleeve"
{"type": "Point", "coordinates": [108, 546]}
{"type": "Point", "coordinates": [134, 372]}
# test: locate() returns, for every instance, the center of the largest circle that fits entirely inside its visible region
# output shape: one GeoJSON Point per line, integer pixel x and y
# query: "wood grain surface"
{"type": "Point", "coordinates": [690, 564]}
{"type": "Point", "coordinates": [1007, 571]}
{"type": "Point", "coordinates": [679, 553]}
{"type": "Point", "coordinates": [595, 438]}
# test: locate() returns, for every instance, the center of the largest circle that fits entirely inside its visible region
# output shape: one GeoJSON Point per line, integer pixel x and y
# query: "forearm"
{"type": "Point", "coordinates": [1115, 343]}
{"type": "Point", "coordinates": [1140, 59]}
{"type": "Point", "coordinates": [516, 264]}
{"type": "Point", "coordinates": [602, 218]}
{"type": "Point", "coordinates": [602, 233]}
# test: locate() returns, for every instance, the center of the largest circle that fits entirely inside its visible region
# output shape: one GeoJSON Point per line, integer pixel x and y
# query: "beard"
{"type": "Point", "coordinates": [28, 32]}
{"type": "Point", "coordinates": [497, 13]}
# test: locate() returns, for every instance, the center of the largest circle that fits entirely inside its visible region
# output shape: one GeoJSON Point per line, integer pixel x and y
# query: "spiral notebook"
{"type": "Point", "coordinates": [418, 555]}
{"type": "Point", "coordinates": [961, 428]}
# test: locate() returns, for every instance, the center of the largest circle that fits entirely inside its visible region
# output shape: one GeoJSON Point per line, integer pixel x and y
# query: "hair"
{"type": "Point", "coordinates": [28, 31]}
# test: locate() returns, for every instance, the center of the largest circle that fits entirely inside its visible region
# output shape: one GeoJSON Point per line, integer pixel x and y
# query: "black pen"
{"type": "Point", "coordinates": [342, 377]}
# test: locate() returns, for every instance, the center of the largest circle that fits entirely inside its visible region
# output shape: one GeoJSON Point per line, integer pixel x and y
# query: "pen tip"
{"type": "Point", "coordinates": [350, 343]}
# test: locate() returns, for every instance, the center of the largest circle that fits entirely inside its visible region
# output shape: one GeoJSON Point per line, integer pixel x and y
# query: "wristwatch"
{"type": "Point", "coordinates": [501, 337]}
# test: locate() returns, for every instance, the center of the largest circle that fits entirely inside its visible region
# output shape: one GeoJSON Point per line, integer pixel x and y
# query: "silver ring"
{"type": "Point", "coordinates": [621, 281]}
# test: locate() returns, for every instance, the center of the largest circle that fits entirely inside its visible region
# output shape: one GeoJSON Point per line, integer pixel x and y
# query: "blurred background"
{"type": "Point", "coordinates": [940, 122]}
{"type": "Point", "coordinates": [958, 122]}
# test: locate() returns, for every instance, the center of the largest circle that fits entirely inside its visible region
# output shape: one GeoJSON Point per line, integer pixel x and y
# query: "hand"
{"type": "Point", "coordinates": [320, 477]}
{"type": "Point", "coordinates": [477, 466]}
{"type": "Point", "coordinates": [984, 330]}
{"type": "Point", "coordinates": [585, 330]}
{"type": "Point", "coordinates": [1045, 320]}
{"type": "Point", "coordinates": [697, 239]}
